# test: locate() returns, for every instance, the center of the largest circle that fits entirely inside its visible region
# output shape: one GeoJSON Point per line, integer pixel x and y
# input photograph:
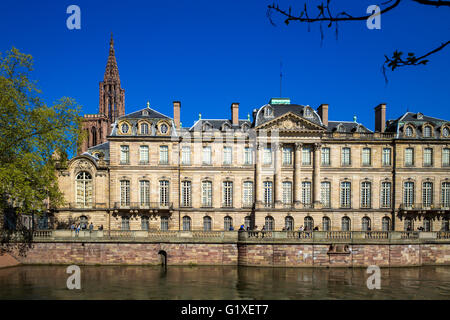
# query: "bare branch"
{"type": "Point", "coordinates": [437, 3]}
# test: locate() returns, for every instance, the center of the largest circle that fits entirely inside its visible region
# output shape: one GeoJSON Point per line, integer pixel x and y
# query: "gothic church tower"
{"type": "Point", "coordinates": [111, 104]}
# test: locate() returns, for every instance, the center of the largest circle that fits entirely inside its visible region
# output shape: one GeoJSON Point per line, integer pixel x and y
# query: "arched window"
{"type": "Point", "coordinates": [446, 132]}
{"type": "Point", "coordinates": [427, 226]}
{"type": "Point", "coordinates": [346, 224]}
{"type": "Point", "coordinates": [445, 224]}
{"type": "Point", "coordinates": [289, 223]}
{"type": "Point", "coordinates": [125, 223]}
{"type": "Point", "coordinates": [427, 132]}
{"type": "Point", "coordinates": [386, 224]}
{"type": "Point", "coordinates": [144, 223]}
{"type": "Point", "coordinates": [207, 223]}
{"type": "Point", "coordinates": [408, 132]}
{"type": "Point", "coordinates": [84, 189]}
{"type": "Point", "coordinates": [268, 112]}
{"type": "Point", "coordinates": [248, 222]}
{"type": "Point", "coordinates": [164, 223]}
{"type": "Point", "coordinates": [326, 224]}
{"type": "Point", "coordinates": [227, 223]}
{"type": "Point", "coordinates": [144, 128]}
{"type": "Point", "coordinates": [94, 136]}
{"type": "Point", "coordinates": [186, 223]}
{"type": "Point", "coordinates": [307, 113]}
{"type": "Point", "coordinates": [83, 222]}
{"type": "Point", "coordinates": [366, 224]}
{"type": "Point", "coordinates": [309, 223]}
{"type": "Point", "coordinates": [409, 224]}
{"type": "Point", "coordinates": [269, 223]}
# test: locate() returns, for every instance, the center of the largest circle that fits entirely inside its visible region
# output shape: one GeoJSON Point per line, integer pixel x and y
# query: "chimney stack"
{"type": "Point", "coordinates": [380, 117]}
{"type": "Point", "coordinates": [235, 114]}
{"type": "Point", "coordinates": [323, 113]}
{"type": "Point", "coordinates": [176, 113]}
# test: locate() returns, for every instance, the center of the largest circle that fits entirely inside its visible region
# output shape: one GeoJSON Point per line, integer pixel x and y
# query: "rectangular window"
{"type": "Point", "coordinates": [446, 157]}
{"type": "Point", "coordinates": [325, 156]}
{"type": "Point", "coordinates": [163, 154]}
{"type": "Point", "coordinates": [427, 194]}
{"type": "Point", "coordinates": [164, 223]}
{"type": "Point", "coordinates": [408, 194]}
{"type": "Point", "coordinates": [325, 189]}
{"type": "Point", "coordinates": [409, 157]}
{"type": "Point", "coordinates": [145, 192]}
{"type": "Point", "coordinates": [186, 195]}
{"type": "Point", "coordinates": [267, 156]}
{"type": "Point", "coordinates": [206, 193]}
{"type": "Point", "coordinates": [207, 155]}
{"type": "Point", "coordinates": [385, 195]}
{"type": "Point", "coordinates": [306, 193]}
{"type": "Point", "coordinates": [143, 154]}
{"type": "Point", "coordinates": [306, 156]}
{"type": "Point", "coordinates": [248, 159]}
{"type": "Point", "coordinates": [366, 157]}
{"type": "Point", "coordinates": [125, 193]}
{"type": "Point", "coordinates": [345, 195]}
{"type": "Point", "coordinates": [346, 157]}
{"type": "Point", "coordinates": [445, 194]}
{"type": "Point", "coordinates": [248, 194]}
{"type": "Point", "coordinates": [227, 155]}
{"type": "Point", "coordinates": [366, 193]}
{"type": "Point", "coordinates": [287, 192]}
{"type": "Point", "coordinates": [386, 157]}
{"type": "Point", "coordinates": [186, 155]}
{"type": "Point", "coordinates": [124, 154]}
{"type": "Point", "coordinates": [227, 194]}
{"type": "Point", "coordinates": [164, 193]}
{"type": "Point", "coordinates": [427, 157]}
{"type": "Point", "coordinates": [268, 194]}
{"type": "Point", "coordinates": [287, 156]}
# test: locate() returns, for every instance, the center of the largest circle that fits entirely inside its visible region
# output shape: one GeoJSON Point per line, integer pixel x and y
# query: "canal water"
{"type": "Point", "coordinates": [206, 282]}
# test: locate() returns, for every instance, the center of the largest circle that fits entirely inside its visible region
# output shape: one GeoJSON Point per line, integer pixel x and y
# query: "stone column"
{"type": "Point", "coordinates": [297, 174]}
{"type": "Point", "coordinates": [277, 175]}
{"type": "Point", "coordinates": [316, 176]}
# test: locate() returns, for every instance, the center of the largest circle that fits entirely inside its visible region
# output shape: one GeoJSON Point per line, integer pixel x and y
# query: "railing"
{"type": "Point", "coordinates": [409, 235]}
{"type": "Point", "coordinates": [424, 206]}
{"type": "Point", "coordinates": [290, 236]}
{"type": "Point", "coordinates": [360, 135]}
{"type": "Point", "coordinates": [142, 205]}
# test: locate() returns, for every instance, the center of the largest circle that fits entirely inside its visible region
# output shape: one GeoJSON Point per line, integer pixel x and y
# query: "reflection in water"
{"type": "Point", "coordinates": [221, 282]}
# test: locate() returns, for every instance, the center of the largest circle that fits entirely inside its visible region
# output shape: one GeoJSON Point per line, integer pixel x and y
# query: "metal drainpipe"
{"type": "Point", "coordinates": [394, 182]}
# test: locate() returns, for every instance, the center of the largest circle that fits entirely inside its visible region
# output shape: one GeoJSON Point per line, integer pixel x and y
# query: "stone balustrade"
{"type": "Point", "coordinates": [243, 236]}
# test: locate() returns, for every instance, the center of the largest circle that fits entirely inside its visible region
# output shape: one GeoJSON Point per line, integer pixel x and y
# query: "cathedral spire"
{"type": "Point", "coordinates": [112, 71]}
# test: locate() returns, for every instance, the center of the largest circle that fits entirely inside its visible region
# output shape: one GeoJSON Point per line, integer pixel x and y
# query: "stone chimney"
{"type": "Point", "coordinates": [380, 117]}
{"type": "Point", "coordinates": [323, 113]}
{"type": "Point", "coordinates": [176, 113]}
{"type": "Point", "coordinates": [235, 114]}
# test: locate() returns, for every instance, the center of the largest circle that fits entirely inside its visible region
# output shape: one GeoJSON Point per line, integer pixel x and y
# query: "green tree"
{"type": "Point", "coordinates": [32, 135]}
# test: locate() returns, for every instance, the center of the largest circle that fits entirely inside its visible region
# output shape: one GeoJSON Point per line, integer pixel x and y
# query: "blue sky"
{"type": "Point", "coordinates": [208, 54]}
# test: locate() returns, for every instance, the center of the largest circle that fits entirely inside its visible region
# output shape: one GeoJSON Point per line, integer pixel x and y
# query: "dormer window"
{"type": "Point", "coordinates": [245, 127]}
{"type": "Point", "coordinates": [144, 128]}
{"type": "Point", "coordinates": [340, 128]}
{"type": "Point", "coordinates": [163, 128]}
{"type": "Point", "coordinates": [446, 132]}
{"type": "Point", "coordinates": [125, 128]}
{"type": "Point", "coordinates": [307, 113]}
{"type": "Point", "coordinates": [427, 132]}
{"type": "Point", "coordinates": [408, 132]}
{"type": "Point", "coordinates": [206, 127]}
{"type": "Point", "coordinates": [145, 113]}
{"type": "Point", "coordinates": [419, 115]}
{"type": "Point", "coordinates": [268, 112]}
{"type": "Point", "coordinates": [226, 126]}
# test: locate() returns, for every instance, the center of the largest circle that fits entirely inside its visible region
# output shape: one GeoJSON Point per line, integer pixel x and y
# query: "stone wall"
{"type": "Point", "coordinates": [267, 255]}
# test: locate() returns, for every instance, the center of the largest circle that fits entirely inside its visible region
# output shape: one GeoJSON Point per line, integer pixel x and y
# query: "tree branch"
{"type": "Point", "coordinates": [437, 3]}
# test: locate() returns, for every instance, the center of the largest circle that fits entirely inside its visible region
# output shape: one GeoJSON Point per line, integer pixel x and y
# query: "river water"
{"type": "Point", "coordinates": [207, 282]}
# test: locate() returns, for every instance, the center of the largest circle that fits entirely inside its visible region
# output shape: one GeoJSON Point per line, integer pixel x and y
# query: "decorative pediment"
{"type": "Point", "coordinates": [291, 122]}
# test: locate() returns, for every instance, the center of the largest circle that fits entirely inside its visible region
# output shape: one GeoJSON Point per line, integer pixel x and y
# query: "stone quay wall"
{"type": "Point", "coordinates": [245, 254]}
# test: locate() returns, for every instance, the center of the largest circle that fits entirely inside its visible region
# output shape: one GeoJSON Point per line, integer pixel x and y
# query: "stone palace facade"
{"type": "Point", "coordinates": [287, 167]}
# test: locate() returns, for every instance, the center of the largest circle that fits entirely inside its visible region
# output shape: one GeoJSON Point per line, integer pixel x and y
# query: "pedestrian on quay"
{"type": "Point", "coordinates": [91, 227]}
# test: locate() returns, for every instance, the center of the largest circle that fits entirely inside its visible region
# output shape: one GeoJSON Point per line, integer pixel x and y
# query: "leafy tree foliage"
{"type": "Point", "coordinates": [32, 135]}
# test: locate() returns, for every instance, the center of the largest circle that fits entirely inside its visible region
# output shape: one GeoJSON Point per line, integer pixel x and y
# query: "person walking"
{"type": "Point", "coordinates": [91, 227]}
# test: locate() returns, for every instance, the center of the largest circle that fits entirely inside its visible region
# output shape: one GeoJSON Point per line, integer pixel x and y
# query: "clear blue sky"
{"type": "Point", "coordinates": [208, 54]}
